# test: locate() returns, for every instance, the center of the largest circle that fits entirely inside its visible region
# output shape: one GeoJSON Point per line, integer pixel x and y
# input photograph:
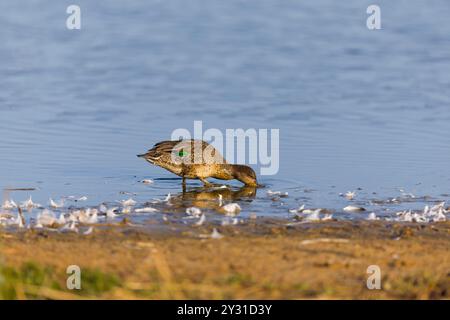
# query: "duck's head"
{"type": "Point", "coordinates": [245, 174]}
{"type": "Point", "coordinates": [151, 157]}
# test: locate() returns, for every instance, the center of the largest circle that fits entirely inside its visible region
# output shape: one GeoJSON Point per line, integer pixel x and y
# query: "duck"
{"type": "Point", "coordinates": [197, 159]}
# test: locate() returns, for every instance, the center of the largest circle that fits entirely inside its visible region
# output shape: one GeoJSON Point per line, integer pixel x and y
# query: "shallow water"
{"type": "Point", "coordinates": [358, 110]}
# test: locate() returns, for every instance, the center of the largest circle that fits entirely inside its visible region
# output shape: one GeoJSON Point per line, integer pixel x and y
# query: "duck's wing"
{"type": "Point", "coordinates": [188, 151]}
{"type": "Point", "coordinates": [165, 146]}
{"type": "Point", "coordinates": [210, 154]}
{"type": "Point", "coordinates": [161, 149]}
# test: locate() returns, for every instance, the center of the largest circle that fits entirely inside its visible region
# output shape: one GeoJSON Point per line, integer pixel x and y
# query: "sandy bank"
{"type": "Point", "coordinates": [264, 260]}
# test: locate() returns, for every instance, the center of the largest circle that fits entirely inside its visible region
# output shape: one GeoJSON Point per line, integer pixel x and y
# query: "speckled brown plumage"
{"type": "Point", "coordinates": [197, 159]}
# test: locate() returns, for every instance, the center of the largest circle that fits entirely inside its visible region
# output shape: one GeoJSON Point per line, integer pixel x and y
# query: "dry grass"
{"type": "Point", "coordinates": [263, 262]}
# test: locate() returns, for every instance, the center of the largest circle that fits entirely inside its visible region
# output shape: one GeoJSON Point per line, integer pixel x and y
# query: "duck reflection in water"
{"type": "Point", "coordinates": [211, 198]}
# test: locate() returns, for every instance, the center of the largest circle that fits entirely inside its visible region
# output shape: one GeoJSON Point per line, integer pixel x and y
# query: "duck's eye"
{"type": "Point", "coordinates": [182, 153]}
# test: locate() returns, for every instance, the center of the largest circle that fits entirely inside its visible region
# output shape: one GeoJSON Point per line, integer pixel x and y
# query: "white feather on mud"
{"type": "Point", "coordinates": [146, 210]}
{"type": "Point", "coordinates": [92, 219]}
{"type": "Point", "coordinates": [216, 234]}
{"type": "Point", "coordinates": [61, 220]}
{"type": "Point", "coordinates": [299, 210]}
{"type": "Point", "coordinates": [277, 193]}
{"type": "Point", "coordinates": [19, 222]}
{"type": "Point", "coordinates": [110, 213]}
{"type": "Point", "coordinates": [88, 231]}
{"type": "Point", "coordinates": [314, 216]}
{"type": "Point", "coordinates": [436, 213]}
{"type": "Point", "coordinates": [193, 211]}
{"type": "Point", "coordinates": [213, 235]}
{"type": "Point", "coordinates": [6, 219]}
{"type": "Point", "coordinates": [9, 205]}
{"type": "Point", "coordinates": [231, 209]}
{"type": "Point", "coordinates": [70, 227]}
{"type": "Point", "coordinates": [201, 220]}
{"type": "Point", "coordinates": [302, 211]}
{"type": "Point", "coordinates": [372, 217]}
{"type": "Point", "coordinates": [55, 205]}
{"type": "Point", "coordinates": [103, 209]}
{"type": "Point", "coordinates": [45, 218]}
{"type": "Point", "coordinates": [354, 209]}
{"type": "Point", "coordinates": [128, 203]}
{"type": "Point", "coordinates": [86, 216]}
{"type": "Point", "coordinates": [29, 204]}
{"type": "Point", "coordinates": [126, 210]}
{"type": "Point", "coordinates": [350, 195]}
{"type": "Point", "coordinates": [230, 221]}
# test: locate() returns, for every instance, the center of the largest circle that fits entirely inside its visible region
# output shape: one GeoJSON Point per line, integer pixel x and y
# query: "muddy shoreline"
{"type": "Point", "coordinates": [260, 259]}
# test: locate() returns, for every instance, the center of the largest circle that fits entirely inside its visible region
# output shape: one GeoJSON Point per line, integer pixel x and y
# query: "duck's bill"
{"type": "Point", "coordinates": [148, 158]}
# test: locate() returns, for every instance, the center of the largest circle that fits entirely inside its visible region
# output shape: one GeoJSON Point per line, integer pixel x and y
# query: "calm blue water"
{"type": "Point", "coordinates": [355, 108]}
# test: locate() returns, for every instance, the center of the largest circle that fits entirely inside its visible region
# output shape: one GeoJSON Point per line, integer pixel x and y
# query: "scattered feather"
{"type": "Point", "coordinates": [230, 221]}
{"type": "Point", "coordinates": [61, 220]}
{"type": "Point", "coordinates": [126, 210]}
{"type": "Point", "coordinates": [128, 203]}
{"type": "Point", "coordinates": [9, 205]}
{"type": "Point", "coordinates": [314, 216]}
{"type": "Point", "coordinates": [88, 231]}
{"type": "Point", "coordinates": [29, 204]}
{"type": "Point", "coordinates": [194, 211]}
{"type": "Point", "coordinates": [372, 216]}
{"type": "Point", "coordinates": [92, 219]}
{"type": "Point", "coordinates": [277, 193]}
{"type": "Point", "coordinates": [437, 213]}
{"type": "Point", "coordinates": [354, 209]}
{"type": "Point", "coordinates": [87, 216]}
{"type": "Point", "coordinates": [19, 222]}
{"type": "Point", "coordinates": [350, 195]}
{"type": "Point", "coordinates": [201, 220]}
{"type": "Point", "coordinates": [46, 218]}
{"type": "Point", "coordinates": [216, 234]}
{"type": "Point", "coordinates": [103, 209]}
{"type": "Point", "coordinates": [70, 227]}
{"type": "Point", "coordinates": [7, 219]}
{"type": "Point", "coordinates": [146, 210]}
{"type": "Point", "coordinates": [111, 213]}
{"type": "Point", "coordinates": [56, 205]}
{"type": "Point", "coordinates": [299, 210]}
{"type": "Point", "coordinates": [231, 209]}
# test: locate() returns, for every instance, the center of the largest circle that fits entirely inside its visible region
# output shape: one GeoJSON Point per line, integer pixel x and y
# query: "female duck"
{"type": "Point", "coordinates": [197, 159]}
